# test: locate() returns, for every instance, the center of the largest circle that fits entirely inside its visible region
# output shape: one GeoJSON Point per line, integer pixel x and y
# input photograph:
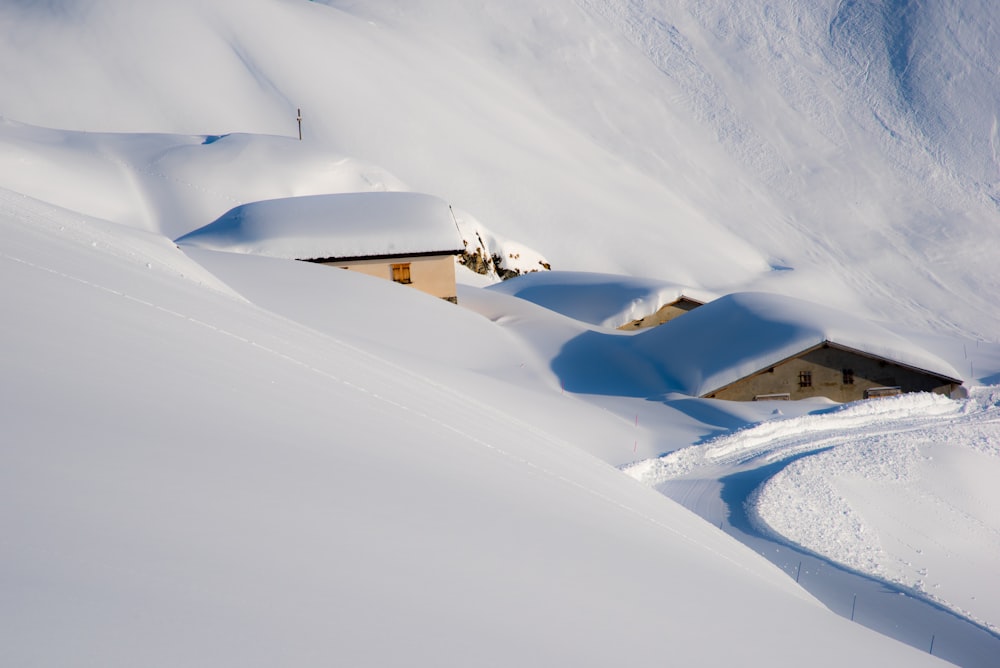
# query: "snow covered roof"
{"type": "Point", "coordinates": [606, 300]}
{"type": "Point", "coordinates": [742, 333]}
{"type": "Point", "coordinates": [340, 226]}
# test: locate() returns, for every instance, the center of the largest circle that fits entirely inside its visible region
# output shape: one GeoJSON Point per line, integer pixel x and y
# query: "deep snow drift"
{"type": "Point", "coordinates": [215, 457]}
{"type": "Point", "coordinates": [338, 225]}
{"type": "Point", "coordinates": [187, 476]}
{"type": "Point", "coordinates": [900, 489]}
{"type": "Point", "coordinates": [715, 140]}
{"type": "Point", "coordinates": [608, 300]}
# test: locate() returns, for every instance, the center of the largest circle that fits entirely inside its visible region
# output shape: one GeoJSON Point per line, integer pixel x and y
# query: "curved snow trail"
{"type": "Point", "coordinates": [915, 507]}
{"type": "Point", "coordinates": [779, 440]}
{"type": "Point", "coordinates": [874, 500]}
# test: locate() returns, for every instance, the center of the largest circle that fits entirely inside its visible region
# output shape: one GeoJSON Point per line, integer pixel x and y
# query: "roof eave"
{"type": "Point", "coordinates": [383, 256]}
{"type": "Point", "coordinates": [833, 344]}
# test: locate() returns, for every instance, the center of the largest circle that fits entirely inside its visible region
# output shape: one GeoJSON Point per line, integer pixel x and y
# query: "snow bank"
{"type": "Point", "coordinates": [606, 300]}
{"type": "Point", "coordinates": [783, 438]}
{"type": "Point", "coordinates": [739, 334]}
{"type": "Point", "coordinates": [169, 183]}
{"type": "Point", "coordinates": [901, 490]}
{"type": "Point", "coordinates": [348, 225]}
{"type": "Point", "coordinates": [239, 480]}
{"type": "Point", "coordinates": [223, 481]}
{"type": "Point", "coordinates": [905, 498]}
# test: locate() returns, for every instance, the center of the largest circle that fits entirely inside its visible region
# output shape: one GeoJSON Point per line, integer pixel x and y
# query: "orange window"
{"type": "Point", "coordinates": [401, 273]}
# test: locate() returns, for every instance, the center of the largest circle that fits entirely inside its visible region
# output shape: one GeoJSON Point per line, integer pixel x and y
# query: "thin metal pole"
{"type": "Point", "coordinates": [299, 119]}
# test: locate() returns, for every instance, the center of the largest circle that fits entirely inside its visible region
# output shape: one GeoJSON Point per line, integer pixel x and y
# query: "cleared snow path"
{"type": "Point", "coordinates": [885, 510]}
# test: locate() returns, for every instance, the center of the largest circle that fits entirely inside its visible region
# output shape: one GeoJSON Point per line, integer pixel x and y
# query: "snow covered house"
{"type": "Point", "coordinates": [408, 238]}
{"type": "Point", "coordinates": [607, 300]}
{"type": "Point", "coordinates": [756, 346]}
{"type": "Point", "coordinates": [672, 309]}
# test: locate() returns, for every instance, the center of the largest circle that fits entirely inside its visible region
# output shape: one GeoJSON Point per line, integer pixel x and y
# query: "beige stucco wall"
{"type": "Point", "coordinates": [827, 366]}
{"type": "Point", "coordinates": [665, 314]}
{"type": "Point", "coordinates": [434, 275]}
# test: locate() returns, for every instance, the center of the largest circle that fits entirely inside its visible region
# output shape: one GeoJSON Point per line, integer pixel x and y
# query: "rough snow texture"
{"type": "Point", "coordinates": [911, 500]}
{"type": "Point", "coordinates": [901, 489]}
{"type": "Point", "coordinates": [339, 226]}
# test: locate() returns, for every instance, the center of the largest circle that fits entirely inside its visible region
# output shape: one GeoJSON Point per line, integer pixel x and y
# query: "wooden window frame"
{"type": "Point", "coordinates": [805, 379]}
{"type": "Point", "coordinates": [401, 273]}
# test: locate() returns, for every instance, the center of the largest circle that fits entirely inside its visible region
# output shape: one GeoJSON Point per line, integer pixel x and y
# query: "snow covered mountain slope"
{"type": "Point", "coordinates": [899, 490]}
{"type": "Point", "coordinates": [235, 460]}
{"type": "Point", "coordinates": [187, 477]}
{"type": "Point", "coordinates": [853, 143]}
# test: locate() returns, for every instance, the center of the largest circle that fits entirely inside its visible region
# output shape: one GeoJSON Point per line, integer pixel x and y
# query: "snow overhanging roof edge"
{"type": "Point", "coordinates": [825, 343]}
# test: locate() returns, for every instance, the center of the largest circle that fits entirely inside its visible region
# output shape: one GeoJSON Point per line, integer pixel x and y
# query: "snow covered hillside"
{"type": "Point", "coordinates": [854, 143]}
{"type": "Point", "coordinates": [228, 459]}
{"type": "Point", "coordinates": [188, 477]}
{"type": "Point", "coordinates": [875, 467]}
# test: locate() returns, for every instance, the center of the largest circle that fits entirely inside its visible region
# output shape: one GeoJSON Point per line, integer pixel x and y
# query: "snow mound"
{"type": "Point", "coordinates": [907, 498]}
{"type": "Point", "coordinates": [170, 183]}
{"type": "Point", "coordinates": [349, 225]}
{"type": "Point", "coordinates": [739, 334]}
{"type": "Point", "coordinates": [780, 439]}
{"type": "Point", "coordinates": [606, 300]}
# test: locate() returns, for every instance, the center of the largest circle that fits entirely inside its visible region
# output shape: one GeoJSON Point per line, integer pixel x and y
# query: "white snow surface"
{"type": "Point", "coordinates": [344, 225]}
{"type": "Point", "coordinates": [721, 342]}
{"type": "Point", "coordinates": [231, 459]}
{"type": "Point", "coordinates": [743, 333]}
{"type": "Point", "coordinates": [191, 475]}
{"type": "Point", "coordinates": [608, 300]}
{"type": "Point", "coordinates": [703, 142]}
{"type": "Point", "coordinates": [902, 490]}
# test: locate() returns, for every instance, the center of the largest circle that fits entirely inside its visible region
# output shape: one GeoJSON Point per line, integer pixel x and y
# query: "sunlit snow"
{"type": "Point", "coordinates": [232, 459]}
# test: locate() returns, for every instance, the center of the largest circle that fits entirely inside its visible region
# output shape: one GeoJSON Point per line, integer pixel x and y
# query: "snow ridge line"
{"type": "Point", "coordinates": [87, 230]}
{"type": "Point", "coordinates": [395, 404]}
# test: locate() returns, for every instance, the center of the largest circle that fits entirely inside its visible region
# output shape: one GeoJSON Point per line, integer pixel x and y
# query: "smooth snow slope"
{"type": "Point", "coordinates": [853, 143]}
{"type": "Point", "coordinates": [189, 479]}
{"type": "Point", "coordinates": [222, 468]}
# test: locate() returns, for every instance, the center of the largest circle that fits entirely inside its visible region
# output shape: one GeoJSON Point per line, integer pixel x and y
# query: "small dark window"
{"type": "Point", "coordinates": [401, 273]}
{"type": "Point", "coordinates": [805, 378]}
{"type": "Point", "coordinates": [848, 376]}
